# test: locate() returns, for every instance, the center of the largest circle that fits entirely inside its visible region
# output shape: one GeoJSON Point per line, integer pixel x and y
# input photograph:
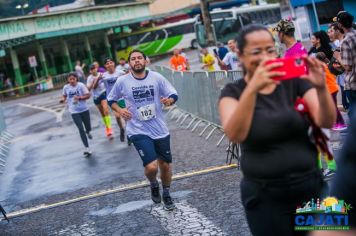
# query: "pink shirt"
{"type": "Point", "coordinates": [296, 50]}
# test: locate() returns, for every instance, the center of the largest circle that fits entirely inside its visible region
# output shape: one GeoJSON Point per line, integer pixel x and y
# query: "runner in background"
{"type": "Point", "coordinates": [144, 93]}
{"type": "Point", "coordinates": [99, 68]}
{"type": "Point", "coordinates": [208, 60]}
{"type": "Point", "coordinates": [177, 61]}
{"type": "Point", "coordinates": [230, 60]}
{"type": "Point", "coordinates": [285, 29]}
{"type": "Point", "coordinates": [109, 79]}
{"type": "Point", "coordinates": [122, 66]}
{"type": "Point", "coordinates": [79, 70]}
{"type": "Point", "coordinates": [97, 88]}
{"type": "Point", "coordinates": [76, 94]}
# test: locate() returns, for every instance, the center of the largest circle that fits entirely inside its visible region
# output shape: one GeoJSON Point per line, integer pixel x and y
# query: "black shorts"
{"type": "Point", "coordinates": [150, 149]}
{"type": "Point", "coordinates": [98, 100]}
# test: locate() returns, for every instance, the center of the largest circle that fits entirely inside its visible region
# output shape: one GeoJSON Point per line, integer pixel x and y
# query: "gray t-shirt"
{"type": "Point", "coordinates": [110, 79]}
{"type": "Point", "coordinates": [142, 98]}
{"type": "Point", "coordinates": [101, 87]}
{"type": "Point", "coordinates": [231, 60]}
{"type": "Point", "coordinates": [79, 90]}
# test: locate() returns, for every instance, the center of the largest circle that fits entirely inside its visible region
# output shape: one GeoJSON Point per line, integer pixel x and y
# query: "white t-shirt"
{"type": "Point", "coordinates": [98, 90]}
{"type": "Point", "coordinates": [142, 98]}
{"type": "Point", "coordinates": [79, 90]}
{"type": "Point", "coordinates": [125, 67]}
{"type": "Point", "coordinates": [231, 60]}
{"type": "Point", "coordinates": [79, 71]}
{"type": "Point", "coordinates": [110, 79]}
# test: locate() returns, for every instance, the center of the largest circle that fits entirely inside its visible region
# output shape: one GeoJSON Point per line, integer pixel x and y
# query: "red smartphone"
{"type": "Point", "coordinates": [293, 66]}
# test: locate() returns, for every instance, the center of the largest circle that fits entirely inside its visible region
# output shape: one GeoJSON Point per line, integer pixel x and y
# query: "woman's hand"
{"type": "Point", "coordinates": [263, 75]}
{"type": "Point", "coordinates": [316, 74]}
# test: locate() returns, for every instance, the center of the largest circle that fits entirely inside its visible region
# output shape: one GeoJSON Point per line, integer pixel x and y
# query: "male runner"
{"type": "Point", "coordinates": [144, 93]}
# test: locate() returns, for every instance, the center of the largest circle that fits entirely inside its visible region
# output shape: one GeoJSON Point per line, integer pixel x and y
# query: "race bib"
{"type": "Point", "coordinates": [146, 112]}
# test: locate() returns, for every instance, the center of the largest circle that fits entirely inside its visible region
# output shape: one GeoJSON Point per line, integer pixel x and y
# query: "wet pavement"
{"type": "Point", "coordinates": [104, 194]}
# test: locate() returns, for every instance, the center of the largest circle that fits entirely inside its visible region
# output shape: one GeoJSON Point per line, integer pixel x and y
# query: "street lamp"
{"type": "Point", "coordinates": [22, 7]}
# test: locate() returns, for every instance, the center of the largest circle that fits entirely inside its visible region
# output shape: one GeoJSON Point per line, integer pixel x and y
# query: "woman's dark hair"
{"type": "Point", "coordinates": [241, 37]}
{"type": "Point", "coordinates": [323, 37]}
{"type": "Point", "coordinates": [73, 74]}
{"type": "Point", "coordinates": [136, 50]}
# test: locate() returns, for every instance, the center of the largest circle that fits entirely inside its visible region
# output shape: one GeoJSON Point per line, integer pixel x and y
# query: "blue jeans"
{"type": "Point", "coordinates": [345, 102]}
{"type": "Point", "coordinates": [351, 96]}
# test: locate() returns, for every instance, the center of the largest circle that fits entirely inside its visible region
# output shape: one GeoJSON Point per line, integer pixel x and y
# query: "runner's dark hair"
{"type": "Point", "coordinates": [136, 50]}
{"type": "Point", "coordinates": [73, 74]}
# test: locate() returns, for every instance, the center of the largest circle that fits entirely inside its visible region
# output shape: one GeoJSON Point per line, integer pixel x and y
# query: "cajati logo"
{"type": "Point", "coordinates": [327, 214]}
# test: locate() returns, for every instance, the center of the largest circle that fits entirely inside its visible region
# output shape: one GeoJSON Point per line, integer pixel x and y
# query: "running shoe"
{"type": "Point", "coordinates": [168, 203]}
{"type": "Point", "coordinates": [328, 174]}
{"type": "Point", "coordinates": [155, 195]}
{"type": "Point", "coordinates": [339, 127]}
{"type": "Point", "coordinates": [122, 135]}
{"type": "Point", "coordinates": [87, 152]}
{"type": "Point", "coordinates": [108, 132]}
{"type": "Point", "coordinates": [89, 135]}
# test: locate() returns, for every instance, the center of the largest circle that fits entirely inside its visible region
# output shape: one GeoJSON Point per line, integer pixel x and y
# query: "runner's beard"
{"type": "Point", "coordinates": [138, 70]}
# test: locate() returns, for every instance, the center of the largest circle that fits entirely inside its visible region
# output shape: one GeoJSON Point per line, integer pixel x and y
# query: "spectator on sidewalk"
{"type": "Point", "coordinates": [177, 61]}
{"type": "Point", "coordinates": [347, 56]}
{"type": "Point", "coordinates": [336, 35]}
{"type": "Point", "coordinates": [183, 54]}
{"type": "Point", "coordinates": [331, 83]}
{"type": "Point", "coordinates": [285, 29]}
{"type": "Point", "coordinates": [208, 60]}
{"type": "Point", "coordinates": [258, 112]}
{"type": "Point", "coordinates": [321, 43]}
{"type": "Point", "coordinates": [230, 60]}
{"type": "Point", "coordinates": [222, 50]}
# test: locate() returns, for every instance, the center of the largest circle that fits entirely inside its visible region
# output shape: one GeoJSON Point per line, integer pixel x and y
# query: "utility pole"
{"type": "Point", "coordinates": [207, 22]}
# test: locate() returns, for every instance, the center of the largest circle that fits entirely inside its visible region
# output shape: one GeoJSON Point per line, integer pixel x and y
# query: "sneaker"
{"type": "Point", "coordinates": [122, 135]}
{"type": "Point", "coordinates": [168, 203]}
{"type": "Point", "coordinates": [108, 132]}
{"type": "Point", "coordinates": [339, 127]}
{"type": "Point", "coordinates": [87, 152]}
{"type": "Point", "coordinates": [328, 174]}
{"type": "Point", "coordinates": [155, 195]}
{"type": "Point", "coordinates": [89, 135]}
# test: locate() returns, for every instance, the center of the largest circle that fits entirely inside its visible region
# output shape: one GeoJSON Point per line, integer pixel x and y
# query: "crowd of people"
{"type": "Point", "coordinates": [271, 119]}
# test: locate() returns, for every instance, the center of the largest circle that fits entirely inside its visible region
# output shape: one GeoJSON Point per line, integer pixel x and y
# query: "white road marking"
{"type": "Point", "coordinates": [58, 114]}
{"type": "Point", "coordinates": [185, 220]}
